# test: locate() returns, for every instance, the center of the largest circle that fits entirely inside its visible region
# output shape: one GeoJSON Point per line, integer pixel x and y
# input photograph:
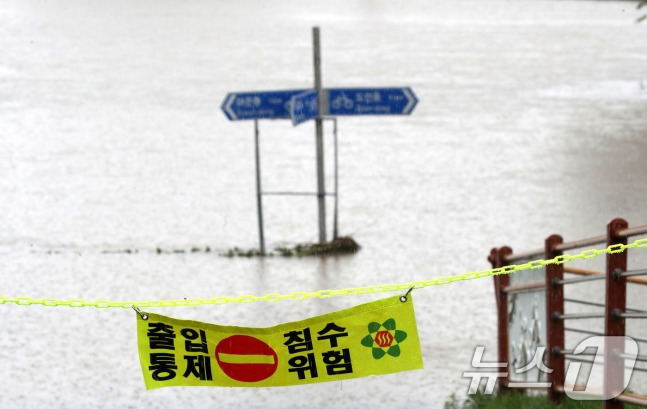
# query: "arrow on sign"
{"type": "Point", "coordinates": [259, 104]}
{"type": "Point", "coordinates": [371, 101]}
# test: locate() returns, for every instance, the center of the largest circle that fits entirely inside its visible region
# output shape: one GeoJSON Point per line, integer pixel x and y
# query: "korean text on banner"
{"type": "Point", "coordinates": [375, 338]}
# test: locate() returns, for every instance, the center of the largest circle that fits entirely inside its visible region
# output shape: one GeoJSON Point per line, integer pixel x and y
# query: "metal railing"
{"type": "Point", "coordinates": [615, 314]}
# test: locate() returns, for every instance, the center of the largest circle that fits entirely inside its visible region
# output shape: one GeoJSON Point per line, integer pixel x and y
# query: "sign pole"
{"type": "Point", "coordinates": [335, 230]}
{"type": "Point", "coordinates": [259, 193]}
{"type": "Point", "coordinates": [301, 105]}
{"type": "Point", "coordinates": [321, 190]}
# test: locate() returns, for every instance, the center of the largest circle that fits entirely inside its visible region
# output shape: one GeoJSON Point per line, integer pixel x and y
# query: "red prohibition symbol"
{"type": "Point", "coordinates": [246, 359]}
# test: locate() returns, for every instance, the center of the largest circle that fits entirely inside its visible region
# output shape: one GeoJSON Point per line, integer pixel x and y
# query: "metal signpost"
{"type": "Point", "coordinates": [302, 105]}
{"type": "Point", "coordinates": [259, 190]}
{"type": "Point", "coordinates": [321, 189]}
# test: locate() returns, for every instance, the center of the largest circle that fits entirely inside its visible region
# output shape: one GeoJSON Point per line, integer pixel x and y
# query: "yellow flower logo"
{"type": "Point", "coordinates": [384, 338]}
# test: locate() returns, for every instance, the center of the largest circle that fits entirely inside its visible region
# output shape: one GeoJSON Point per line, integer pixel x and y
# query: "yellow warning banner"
{"type": "Point", "coordinates": [376, 338]}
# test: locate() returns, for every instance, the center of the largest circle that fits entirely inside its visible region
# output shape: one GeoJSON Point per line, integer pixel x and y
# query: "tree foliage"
{"type": "Point", "coordinates": [641, 4]}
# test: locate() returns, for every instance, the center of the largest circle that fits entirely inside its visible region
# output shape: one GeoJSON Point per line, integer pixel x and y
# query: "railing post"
{"type": "Point", "coordinates": [498, 259]}
{"type": "Point", "coordinates": [614, 325]}
{"type": "Point", "coordinates": [554, 324]}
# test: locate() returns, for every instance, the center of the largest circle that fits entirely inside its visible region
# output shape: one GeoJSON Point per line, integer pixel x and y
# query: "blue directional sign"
{"type": "Point", "coordinates": [259, 104]}
{"type": "Point", "coordinates": [304, 107]}
{"type": "Point", "coordinates": [301, 105]}
{"type": "Point", "coordinates": [371, 101]}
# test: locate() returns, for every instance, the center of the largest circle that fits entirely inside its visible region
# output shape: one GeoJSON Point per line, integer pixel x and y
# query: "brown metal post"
{"type": "Point", "coordinates": [554, 323]}
{"type": "Point", "coordinates": [615, 303]}
{"type": "Point", "coordinates": [498, 259]}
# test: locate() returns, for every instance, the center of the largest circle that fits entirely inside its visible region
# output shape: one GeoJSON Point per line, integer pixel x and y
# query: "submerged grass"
{"type": "Point", "coordinates": [341, 245]}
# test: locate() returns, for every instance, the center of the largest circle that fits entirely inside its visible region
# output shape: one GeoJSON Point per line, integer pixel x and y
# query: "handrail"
{"type": "Point", "coordinates": [587, 272]}
{"type": "Point", "coordinates": [633, 231]}
{"type": "Point", "coordinates": [567, 269]}
{"type": "Point", "coordinates": [539, 253]}
{"type": "Point", "coordinates": [581, 271]}
{"type": "Point", "coordinates": [569, 245]}
{"type": "Point", "coordinates": [633, 398]}
{"type": "Point", "coordinates": [591, 241]}
{"type": "Point", "coordinates": [524, 287]}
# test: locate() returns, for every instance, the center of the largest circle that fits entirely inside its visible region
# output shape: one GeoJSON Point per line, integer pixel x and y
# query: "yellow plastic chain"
{"type": "Point", "coordinates": [532, 265]}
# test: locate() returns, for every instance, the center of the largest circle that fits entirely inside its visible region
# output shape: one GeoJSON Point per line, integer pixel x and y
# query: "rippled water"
{"type": "Point", "coordinates": [531, 121]}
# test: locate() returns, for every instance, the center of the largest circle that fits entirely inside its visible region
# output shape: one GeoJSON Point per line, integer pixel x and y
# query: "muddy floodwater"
{"type": "Point", "coordinates": [531, 121]}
